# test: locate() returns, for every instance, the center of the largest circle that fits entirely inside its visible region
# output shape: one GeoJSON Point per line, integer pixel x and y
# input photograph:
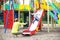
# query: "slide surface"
{"type": "Point", "coordinates": [34, 25]}
{"type": "Point", "coordinates": [37, 19]}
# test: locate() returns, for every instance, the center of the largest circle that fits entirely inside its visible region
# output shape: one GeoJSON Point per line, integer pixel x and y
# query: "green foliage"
{"type": "Point", "coordinates": [21, 20]}
{"type": "Point", "coordinates": [44, 17]}
{"type": "Point", "coordinates": [1, 22]}
{"type": "Point", "coordinates": [21, 17]}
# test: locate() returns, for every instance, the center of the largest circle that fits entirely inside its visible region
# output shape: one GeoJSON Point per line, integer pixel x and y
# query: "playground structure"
{"type": "Point", "coordinates": [8, 16]}
{"type": "Point", "coordinates": [45, 5]}
{"type": "Point", "coordinates": [31, 30]}
{"type": "Point", "coordinates": [35, 25]}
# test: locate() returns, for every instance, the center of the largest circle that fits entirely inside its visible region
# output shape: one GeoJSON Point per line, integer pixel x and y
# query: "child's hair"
{"type": "Point", "coordinates": [16, 19]}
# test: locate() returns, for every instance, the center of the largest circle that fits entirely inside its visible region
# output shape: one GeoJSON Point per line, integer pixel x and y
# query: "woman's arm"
{"type": "Point", "coordinates": [22, 23]}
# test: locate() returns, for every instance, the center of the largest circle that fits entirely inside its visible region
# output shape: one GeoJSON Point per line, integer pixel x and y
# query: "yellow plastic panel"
{"type": "Point", "coordinates": [21, 6]}
{"type": "Point", "coordinates": [43, 1]}
{"type": "Point", "coordinates": [27, 7]}
{"type": "Point", "coordinates": [36, 4]}
{"type": "Point", "coordinates": [57, 4]}
{"type": "Point", "coordinates": [59, 19]}
{"type": "Point", "coordinates": [45, 6]}
{"type": "Point", "coordinates": [36, 28]}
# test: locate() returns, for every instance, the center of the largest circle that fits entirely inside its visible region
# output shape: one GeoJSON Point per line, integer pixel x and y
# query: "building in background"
{"type": "Point", "coordinates": [1, 14]}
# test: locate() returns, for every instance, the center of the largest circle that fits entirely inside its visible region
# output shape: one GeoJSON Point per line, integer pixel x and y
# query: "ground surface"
{"type": "Point", "coordinates": [41, 35]}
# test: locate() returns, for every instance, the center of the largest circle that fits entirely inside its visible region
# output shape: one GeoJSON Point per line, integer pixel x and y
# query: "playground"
{"type": "Point", "coordinates": [41, 35]}
{"type": "Point", "coordinates": [30, 20]}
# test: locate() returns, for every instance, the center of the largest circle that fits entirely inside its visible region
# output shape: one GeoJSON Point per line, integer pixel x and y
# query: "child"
{"type": "Point", "coordinates": [36, 15]}
{"type": "Point", "coordinates": [15, 28]}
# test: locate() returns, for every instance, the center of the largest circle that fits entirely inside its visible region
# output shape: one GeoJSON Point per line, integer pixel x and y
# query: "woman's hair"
{"type": "Point", "coordinates": [16, 19]}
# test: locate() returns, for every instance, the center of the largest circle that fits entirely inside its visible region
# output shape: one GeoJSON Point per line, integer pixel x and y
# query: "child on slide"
{"type": "Point", "coordinates": [36, 18]}
{"type": "Point", "coordinates": [15, 28]}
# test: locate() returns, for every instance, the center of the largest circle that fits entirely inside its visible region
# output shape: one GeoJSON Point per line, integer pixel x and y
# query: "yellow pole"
{"type": "Point", "coordinates": [48, 16]}
{"type": "Point", "coordinates": [29, 17]}
{"type": "Point", "coordinates": [52, 23]}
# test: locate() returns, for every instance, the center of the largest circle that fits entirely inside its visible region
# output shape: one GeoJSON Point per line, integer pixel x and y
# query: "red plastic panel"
{"type": "Point", "coordinates": [10, 18]}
